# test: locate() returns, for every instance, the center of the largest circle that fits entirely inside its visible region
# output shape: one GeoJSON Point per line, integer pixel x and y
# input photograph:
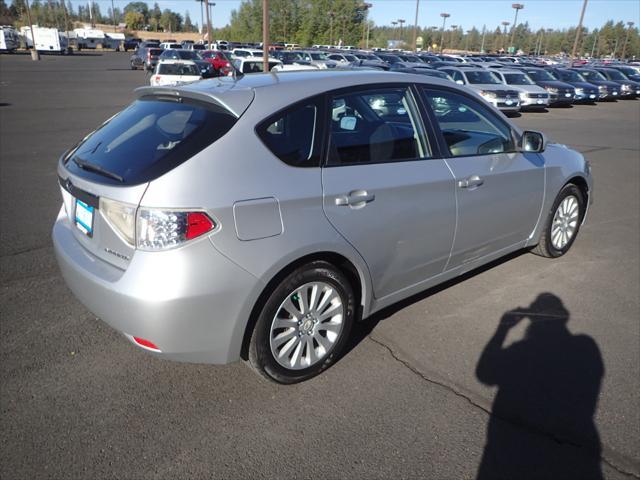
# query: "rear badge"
{"type": "Point", "coordinates": [119, 255]}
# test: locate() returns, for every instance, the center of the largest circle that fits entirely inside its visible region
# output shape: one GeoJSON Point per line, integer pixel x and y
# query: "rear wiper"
{"type": "Point", "coordinates": [91, 167]}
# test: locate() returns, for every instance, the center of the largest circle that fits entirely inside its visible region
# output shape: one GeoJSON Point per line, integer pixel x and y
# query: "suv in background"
{"type": "Point", "coordinates": [145, 58]}
{"type": "Point", "coordinates": [131, 43]}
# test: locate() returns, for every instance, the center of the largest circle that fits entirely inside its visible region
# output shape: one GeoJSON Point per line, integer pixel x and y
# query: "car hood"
{"type": "Point", "coordinates": [586, 85]}
{"type": "Point", "coordinates": [528, 88]}
{"type": "Point", "coordinates": [491, 86]}
{"type": "Point", "coordinates": [606, 83]}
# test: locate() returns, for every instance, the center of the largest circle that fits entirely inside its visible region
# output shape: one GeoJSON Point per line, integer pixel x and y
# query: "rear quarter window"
{"type": "Point", "coordinates": [147, 139]}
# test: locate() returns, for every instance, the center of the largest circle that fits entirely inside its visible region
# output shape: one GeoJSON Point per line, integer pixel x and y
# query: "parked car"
{"type": "Point", "coordinates": [246, 52]}
{"type": "Point", "coordinates": [531, 95]}
{"type": "Point", "coordinates": [246, 65]}
{"type": "Point", "coordinates": [560, 93]}
{"type": "Point", "coordinates": [585, 91]}
{"type": "Point", "coordinates": [171, 46]}
{"type": "Point", "coordinates": [318, 59]}
{"type": "Point", "coordinates": [488, 85]}
{"type": "Point", "coordinates": [131, 43]}
{"type": "Point", "coordinates": [422, 71]}
{"type": "Point", "coordinates": [219, 60]}
{"type": "Point", "coordinates": [342, 58]}
{"type": "Point", "coordinates": [629, 72]}
{"type": "Point", "coordinates": [607, 89]}
{"type": "Point", "coordinates": [175, 72]}
{"type": "Point", "coordinates": [145, 58]}
{"type": "Point", "coordinates": [370, 188]}
{"type": "Point", "coordinates": [291, 58]}
{"type": "Point", "coordinates": [206, 68]}
{"type": "Point", "coordinates": [628, 88]}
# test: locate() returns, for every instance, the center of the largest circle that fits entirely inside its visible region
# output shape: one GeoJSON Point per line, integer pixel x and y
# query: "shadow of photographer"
{"type": "Point", "coordinates": [542, 422]}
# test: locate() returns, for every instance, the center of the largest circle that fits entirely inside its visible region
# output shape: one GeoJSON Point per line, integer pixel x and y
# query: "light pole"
{"type": "Point", "coordinates": [505, 24]}
{"type": "Point", "coordinates": [394, 30]}
{"type": "Point", "coordinates": [210, 6]}
{"type": "Point", "coordinates": [444, 20]}
{"type": "Point", "coordinates": [265, 36]}
{"type": "Point", "coordinates": [34, 51]}
{"type": "Point", "coordinates": [578, 30]}
{"type": "Point", "coordinates": [368, 27]}
{"type": "Point", "coordinates": [415, 29]}
{"type": "Point", "coordinates": [517, 7]}
{"type": "Point", "coordinates": [401, 21]}
{"type": "Point", "coordinates": [624, 47]}
{"type": "Point", "coordinates": [484, 32]}
{"type": "Point", "coordinates": [595, 42]}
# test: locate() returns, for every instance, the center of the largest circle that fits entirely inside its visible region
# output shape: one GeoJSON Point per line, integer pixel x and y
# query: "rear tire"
{"type": "Point", "coordinates": [562, 224]}
{"type": "Point", "coordinates": [304, 324]}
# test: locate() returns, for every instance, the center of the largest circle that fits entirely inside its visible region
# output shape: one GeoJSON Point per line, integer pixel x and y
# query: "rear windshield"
{"type": "Point", "coordinates": [147, 139]}
{"type": "Point", "coordinates": [155, 51]}
{"type": "Point", "coordinates": [178, 69]}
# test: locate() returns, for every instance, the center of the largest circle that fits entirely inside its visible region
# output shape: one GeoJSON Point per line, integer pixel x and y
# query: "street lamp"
{"type": "Point", "coordinates": [401, 21]}
{"type": "Point", "coordinates": [453, 29]}
{"type": "Point", "coordinates": [517, 7]}
{"type": "Point", "coordinates": [624, 47]}
{"type": "Point", "coordinates": [394, 29]}
{"type": "Point", "coordinates": [579, 30]}
{"type": "Point", "coordinates": [415, 29]}
{"type": "Point", "coordinates": [505, 24]}
{"type": "Point", "coordinates": [484, 32]}
{"type": "Point", "coordinates": [444, 20]}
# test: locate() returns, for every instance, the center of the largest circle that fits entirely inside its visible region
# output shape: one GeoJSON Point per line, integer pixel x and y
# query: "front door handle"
{"type": "Point", "coordinates": [474, 181]}
{"type": "Point", "coordinates": [355, 199]}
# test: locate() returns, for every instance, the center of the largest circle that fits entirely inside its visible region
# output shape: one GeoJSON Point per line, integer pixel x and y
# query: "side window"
{"type": "Point", "coordinates": [457, 76]}
{"type": "Point", "coordinates": [291, 135]}
{"type": "Point", "coordinates": [469, 128]}
{"type": "Point", "coordinates": [375, 126]}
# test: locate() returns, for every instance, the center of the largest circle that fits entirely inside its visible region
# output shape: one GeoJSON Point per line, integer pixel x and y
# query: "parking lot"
{"type": "Point", "coordinates": [79, 401]}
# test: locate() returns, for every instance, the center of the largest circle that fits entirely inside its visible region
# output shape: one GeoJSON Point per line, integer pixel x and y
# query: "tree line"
{"type": "Point", "coordinates": [330, 22]}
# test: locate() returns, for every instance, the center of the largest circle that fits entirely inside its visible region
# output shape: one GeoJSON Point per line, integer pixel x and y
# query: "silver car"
{"type": "Point", "coordinates": [532, 96]}
{"type": "Point", "coordinates": [260, 218]}
{"type": "Point", "coordinates": [488, 85]}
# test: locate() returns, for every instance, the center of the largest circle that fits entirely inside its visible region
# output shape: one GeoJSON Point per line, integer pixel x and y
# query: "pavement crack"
{"type": "Point", "coordinates": [521, 425]}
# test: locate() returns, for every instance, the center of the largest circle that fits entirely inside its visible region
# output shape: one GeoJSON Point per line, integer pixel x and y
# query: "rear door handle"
{"type": "Point", "coordinates": [355, 199]}
{"type": "Point", "coordinates": [474, 181]}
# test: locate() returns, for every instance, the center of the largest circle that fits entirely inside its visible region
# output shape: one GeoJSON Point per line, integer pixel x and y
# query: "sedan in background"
{"type": "Point", "coordinates": [488, 85]}
{"type": "Point", "coordinates": [628, 88]}
{"type": "Point", "coordinates": [174, 73]}
{"type": "Point", "coordinates": [531, 95]}
{"type": "Point", "coordinates": [219, 60]}
{"type": "Point", "coordinates": [206, 69]}
{"type": "Point", "coordinates": [560, 93]}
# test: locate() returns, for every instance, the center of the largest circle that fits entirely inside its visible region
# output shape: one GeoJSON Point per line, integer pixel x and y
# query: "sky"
{"type": "Point", "coordinates": [466, 13]}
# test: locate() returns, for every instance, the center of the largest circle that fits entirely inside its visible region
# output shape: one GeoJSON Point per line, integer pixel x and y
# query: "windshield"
{"type": "Point", "coordinates": [319, 56]}
{"type": "Point", "coordinates": [177, 69]}
{"type": "Point", "coordinates": [571, 76]}
{"type": "Point", "coordinates": [391, 58]}
{"type": "Point", "coordinates": [149, 138]}
{"type": "Point", "coordinates": [350, 58]}
{"type": "Point", "coordinates": [627, 70]}
{"type": "Point", "coordinates": [480, 77]}
{"type": "Point", "coordinates": [592, 75]}
{"type": "Point", "coordinates": [518, 79]}
{"type": "Point", "coordinates": [541, 75]}
{"type": "Point", "coordinates": [291, 57]}
{"type": "Point", "coordinates": [615, 75]}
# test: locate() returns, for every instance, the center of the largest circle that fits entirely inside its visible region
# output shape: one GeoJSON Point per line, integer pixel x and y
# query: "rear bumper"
{"type": "Point", "coordinates": [192, 302]}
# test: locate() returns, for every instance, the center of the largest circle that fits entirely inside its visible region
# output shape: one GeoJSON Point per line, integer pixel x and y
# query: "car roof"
{"type": "Point", "coordinates": [280, 89]}
{"type": "Point", "coordinates": [505, 70]}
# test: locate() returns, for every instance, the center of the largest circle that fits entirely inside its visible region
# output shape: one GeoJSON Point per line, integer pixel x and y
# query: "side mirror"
{"type": "Point", "coordinates": [533, 142]}
{"type": "Point", "coordinates": [459, 82]}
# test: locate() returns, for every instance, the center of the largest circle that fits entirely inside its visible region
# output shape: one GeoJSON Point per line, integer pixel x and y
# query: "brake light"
{"type": "Point", "coordinates": [163, 229]}
{"type": "Point", "coordinates": [158, 77]}
{"type": "Point", "coordinates": [146, 343]}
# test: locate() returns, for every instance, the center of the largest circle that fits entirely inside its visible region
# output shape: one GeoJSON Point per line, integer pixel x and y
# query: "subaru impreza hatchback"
{"type": "Point", "coordinates": [259, 218]}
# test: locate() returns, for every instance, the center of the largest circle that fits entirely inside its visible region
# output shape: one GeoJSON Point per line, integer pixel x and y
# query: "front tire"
{"type": "Point", "coordinates": [562, 224]}
{"type": "Point", "coordinates": [304, 325]}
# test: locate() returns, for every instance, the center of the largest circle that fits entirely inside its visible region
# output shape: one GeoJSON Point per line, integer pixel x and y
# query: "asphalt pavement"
{"type": "Point", "coordinates": [427, 389]}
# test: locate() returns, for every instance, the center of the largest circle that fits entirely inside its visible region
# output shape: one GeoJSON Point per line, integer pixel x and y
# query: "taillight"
{"type": "Point", "coordinates": [158, 77]}
{"type": "Point", "coordinates": [146, 343]}
{"type": "Point", "coordinates": [163, 229]}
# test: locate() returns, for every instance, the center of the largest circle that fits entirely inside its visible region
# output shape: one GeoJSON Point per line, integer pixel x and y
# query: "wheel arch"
{"type": "Point", "coordinates": [347, 267]}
